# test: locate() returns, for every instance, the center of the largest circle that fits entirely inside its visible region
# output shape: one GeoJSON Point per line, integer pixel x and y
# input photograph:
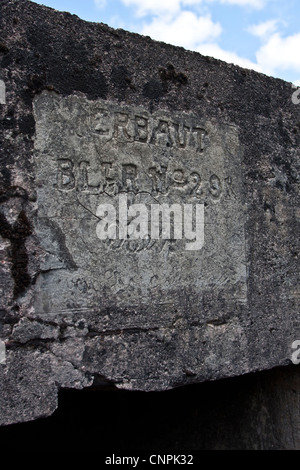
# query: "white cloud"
{"type": "Point", "coordinates": [258, 4]}
{"type": "Point", "coordinates": [100, 3]}
{"type": "Point", "coordinates": [263, 30]}
{"type": "Point", "coordinates": [196, 33]}
{"type": "Point", "coordinates": [214, 50]}
{"type": "Point", "coordinates": [280, 54]}
{"type": "Point", "coordinates": [191, 2]}
{"type": "Point", "coordinates": [172, 7]}
{"type": "Point", "coordinates": [154, 7]}
{"type": "Point", "coordinates": [277, 54]}
{"type": "Point", "coordinates": [173, 23]}
{"type": "Point", "coordinates": [186, 29]}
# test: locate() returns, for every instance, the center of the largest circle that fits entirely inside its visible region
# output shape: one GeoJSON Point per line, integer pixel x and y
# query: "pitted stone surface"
{"type": "Point", "coordinates": [92, 152]}
{"type": "Point", "coordinates": [91, 115]}
{"type": "Point", "coordinates": [2, 92]}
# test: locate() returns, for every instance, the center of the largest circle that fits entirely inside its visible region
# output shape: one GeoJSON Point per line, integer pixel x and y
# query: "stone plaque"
{"type": "Point", "coordinates": [149, 213]}
{"type": "Point", "coordinates": [98, 153]}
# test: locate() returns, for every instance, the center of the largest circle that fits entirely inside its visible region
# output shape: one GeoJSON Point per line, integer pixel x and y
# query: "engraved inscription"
{"type": "Point", "coordinates": [124, 178]}
{"type": "Point", "coordinates": [125, 127]}
{"type": "Point", "coordinates": [92, 153]}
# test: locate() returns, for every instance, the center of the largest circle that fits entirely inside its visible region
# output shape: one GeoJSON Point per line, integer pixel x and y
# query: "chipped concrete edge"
{"type": "Point", "coordinates": [2, 92]}
{"type": "Point", "coordinates": [2, 352]}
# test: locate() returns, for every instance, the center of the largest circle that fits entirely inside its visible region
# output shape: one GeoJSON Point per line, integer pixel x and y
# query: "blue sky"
{"type": "Point", "coordinates": [263, 35]}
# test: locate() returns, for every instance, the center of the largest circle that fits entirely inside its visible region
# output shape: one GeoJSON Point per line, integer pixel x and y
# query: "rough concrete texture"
{"type": "Point", "coordinates": [90, 115]}
{"type": "Point", "coordinates": [257, 411]}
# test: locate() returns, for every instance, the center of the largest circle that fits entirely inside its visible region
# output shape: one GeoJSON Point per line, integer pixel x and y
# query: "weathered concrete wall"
{"type": "Point", "coordinates": [252, 412]}
{"type": "Point", "coordinates": [90, 116]}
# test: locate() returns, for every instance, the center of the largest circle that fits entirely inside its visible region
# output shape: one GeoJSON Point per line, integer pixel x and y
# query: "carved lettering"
{"type": "Point", "coordinates": [141, 129]}
{"type": "Point", "coordinates": [158, 179]}
{"type": "Point", "coordinates": [181, 133]}
{"type": "Point", "coordinates": [133, 127]}
{"type": "Point", "coordinates": [100, 126]}
{"type": "Point", "coordinates": [129, 175]}
{"type": "Point", "coordinates": [122, 128]}
{"type": "Point", "coordinates": [215, 186]}
{"type": "Point", "coordinates": [110, 185]}
{"type": "Point", "coordinates": [197, 138]}
{"type": "Point", "coordinates": [65, 175]}
{"type": "Point", "coordinates": [107, 170]}
{"type": "Point", "coordinates": [84, 166]}
{"type": "Point", "coordinates": [195, 184]}
{"type": "Point", "coordinates": [111, 179]}
{"type": "Point", "coordinates": [161, 135]}
{"type": "Point", "coordinates": [178, 178]}
{"type": "Point", "coordinates": [88, 180]}
{"type": "Point", "coordinates": [228, 188]}
{"type": "Point", "coordinates": [92, 153]}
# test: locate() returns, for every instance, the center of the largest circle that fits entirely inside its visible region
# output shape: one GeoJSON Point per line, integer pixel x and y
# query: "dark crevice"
{"type": "Point", "coordinates": [240, 413]}
{"type": "Point", "coordinates": [169, 74]}
{"type": "Point", "coordinates": [17, 234]}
